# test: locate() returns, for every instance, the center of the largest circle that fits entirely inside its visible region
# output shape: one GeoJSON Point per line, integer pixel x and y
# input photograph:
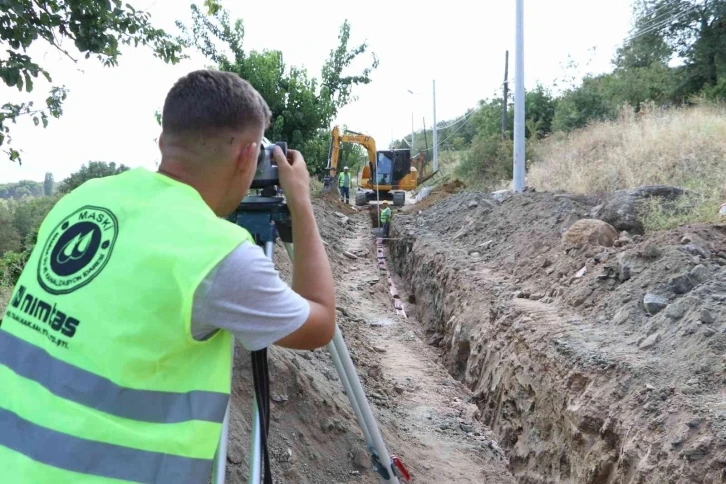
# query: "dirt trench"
{"type": "Point", "coordinates": [582, 378]}
{"type": "Point", "coordinates": [426, 417]}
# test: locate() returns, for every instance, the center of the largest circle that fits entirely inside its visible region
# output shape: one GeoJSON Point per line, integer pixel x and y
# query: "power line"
{"type": "Point", "coordinates": [454, 132]}
{"type": "Point", "coordinates": [464, 117]}
{"type": "Point", "coordinates": [658, 17]}
{"type": "Point", "coordinates": [662, 24]}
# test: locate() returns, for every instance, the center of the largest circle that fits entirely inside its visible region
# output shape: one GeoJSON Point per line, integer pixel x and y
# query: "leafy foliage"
{"type": "Point", "coordinates": [48, 184]}
{"type": "Point", "coordinates": [29, 215]}
{"type": "Point", "coordinates": [302, 106]}
{"type": "Point", "coordinates": [9, 236]}
{"type": "Point", "coordinates": [94, 169]}
{"type": "Point", "coordinates": [21, 189]}
{"type": "Point", "coordinates": [21, 216]}
{"type": "Point", "coordinates": [95, 27]}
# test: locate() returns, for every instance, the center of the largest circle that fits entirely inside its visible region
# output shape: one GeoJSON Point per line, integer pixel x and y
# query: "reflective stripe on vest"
{"type": "Point", "coordinates": [97, 458]}
{"type": "Point", "coordinates": [84, 387]}
{"type": "Point", "coordinates": [100, 377]}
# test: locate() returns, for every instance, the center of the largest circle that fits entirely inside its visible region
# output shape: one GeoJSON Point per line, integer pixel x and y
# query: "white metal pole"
{"type": "Point", "coordinates": [413, 139]}
{"type": "Point", "coordinates": [436, 136]}
{"type": "Point", "coordinates": [518, 182]}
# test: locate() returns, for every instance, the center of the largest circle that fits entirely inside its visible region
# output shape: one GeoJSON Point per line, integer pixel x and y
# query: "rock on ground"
{"type": "Point", "coordinates": [592, 232]}
{"type": "Point", "coordinates": [591, 387]}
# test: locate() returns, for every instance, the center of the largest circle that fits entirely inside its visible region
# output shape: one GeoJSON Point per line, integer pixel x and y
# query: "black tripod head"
{"type": "Point", "coordinates": [265, 217]}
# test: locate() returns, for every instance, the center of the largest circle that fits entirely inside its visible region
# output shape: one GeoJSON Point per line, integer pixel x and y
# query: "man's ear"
{"type": "Point", "coordinates": [247, 156]}
{"type": "Point", "coordinates": [161, 135]}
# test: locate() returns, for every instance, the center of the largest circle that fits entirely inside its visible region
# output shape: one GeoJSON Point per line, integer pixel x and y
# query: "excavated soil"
{"type": "Point", "coordinates": [426, 417]}
{"type": "Point", "coordinates": [591, 364]}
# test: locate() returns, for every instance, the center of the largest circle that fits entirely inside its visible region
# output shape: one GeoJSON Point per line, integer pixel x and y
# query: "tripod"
{"type": "Point", "coordinates": [267, 217]}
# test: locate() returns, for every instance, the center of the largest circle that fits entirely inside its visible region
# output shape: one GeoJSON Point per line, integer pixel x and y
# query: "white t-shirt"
{"type": "Point", "coordinates": [245, 295]}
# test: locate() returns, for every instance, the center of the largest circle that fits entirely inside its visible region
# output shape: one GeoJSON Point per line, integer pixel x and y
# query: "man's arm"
{"type": "Point", "coordinates": [312, 276]}
{"type": "Point", "coordinates": [265, 310]}
{"type": "Point", "coordinates": [245, 295]}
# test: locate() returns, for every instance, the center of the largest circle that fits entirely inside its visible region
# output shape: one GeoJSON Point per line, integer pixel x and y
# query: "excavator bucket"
{"type": "Point", "coordinates": [327, 184]}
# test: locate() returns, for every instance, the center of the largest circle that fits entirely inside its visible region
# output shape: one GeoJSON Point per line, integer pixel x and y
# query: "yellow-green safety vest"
{"type": "Point", "coordinates": [100, 377]}
{"type": "Point", "coordinates": [341, 179]}
{"type": "Point", "coordinates": [386, 215]}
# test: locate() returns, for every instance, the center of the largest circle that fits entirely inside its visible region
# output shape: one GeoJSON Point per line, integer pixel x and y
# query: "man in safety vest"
{"type": "Point", "coordinates": [386, 216]}
{"type": "Point", "coordinates": [344, 185]}
{"type": "Point", "coordinates": [115, 348]}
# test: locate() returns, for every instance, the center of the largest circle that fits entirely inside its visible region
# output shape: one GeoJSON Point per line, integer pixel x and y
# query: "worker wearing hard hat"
{"type": "Point", "coordinates": [116, 345]}
{"type": "Point", "coordinates": [386, 216]}
{"type": "Point", "coordinates": [344, 185]}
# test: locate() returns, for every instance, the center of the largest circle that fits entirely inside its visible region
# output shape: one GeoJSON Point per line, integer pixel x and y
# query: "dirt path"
{"type": "Point", "coordinates": [437, 430]}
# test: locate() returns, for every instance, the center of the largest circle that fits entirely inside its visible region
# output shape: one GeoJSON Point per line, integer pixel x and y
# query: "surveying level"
{"type": "Point", "coordinates": [267, 218]}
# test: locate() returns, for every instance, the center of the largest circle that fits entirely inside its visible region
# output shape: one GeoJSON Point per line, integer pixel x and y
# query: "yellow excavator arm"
{"type": "Point", "coordinates": [334, 153]}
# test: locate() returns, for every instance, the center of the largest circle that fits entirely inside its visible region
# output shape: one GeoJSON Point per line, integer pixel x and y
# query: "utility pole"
{"type": "Point", "coordinates": [413, 139]}
{"type": "Point", "coordinates": [436, 136]}
{"type": "Point", "coordinates": [506, 94]}
{"type": "Point", "coordinates": [518, 182]}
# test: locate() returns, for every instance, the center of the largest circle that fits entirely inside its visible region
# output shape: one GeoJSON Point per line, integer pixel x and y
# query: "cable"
{"type": "Point", "coordinates": [660, 25]}
{"type": "Point", "coordinates": [464, 117]}
{"type": "Point", "coordinates": [453, 123]}
{"type": "Point", "coordinates": [658, 17]}
{"type": "Point", "coordinates": [441, 143]}
{"type": "Point", "coordinates": [453, 133]}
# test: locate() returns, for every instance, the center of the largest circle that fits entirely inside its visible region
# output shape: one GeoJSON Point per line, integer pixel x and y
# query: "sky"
{"type": "Point", "coordinates": [459, 44]}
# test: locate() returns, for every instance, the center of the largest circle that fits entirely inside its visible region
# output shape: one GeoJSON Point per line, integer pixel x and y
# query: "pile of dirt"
{"type": "Point", "coordinates": [594, 360]}
{"type": "Point", "coordinates": [332, 201]}
{"type": "Point", "coordinates": [439, 193]}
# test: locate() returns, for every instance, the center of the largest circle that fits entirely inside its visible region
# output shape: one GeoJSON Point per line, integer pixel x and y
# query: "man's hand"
{"type": "Point", "coordinates": [311, 274]}
{"type": "Point", "coordinates": [294, 176]}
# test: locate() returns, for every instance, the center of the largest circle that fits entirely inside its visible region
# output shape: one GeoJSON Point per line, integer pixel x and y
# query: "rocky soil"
{"type": "Point", "coordinates": [426, 417]}
{"type": "Point", "coordinates": [595, 356]}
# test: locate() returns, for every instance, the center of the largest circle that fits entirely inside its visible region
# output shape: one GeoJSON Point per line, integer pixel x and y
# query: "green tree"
{"type": "Point", "coordinates": [694, 30]}
{"type": "Point", "coordinates": [302, 106]}
{"type": "Point", "coordinates": [540, 107]}
{"type": "Point", "coordinates": [48, 185]}
{"type": "Point", "coordinates": [9, 236]}
{"type": "Point", "coordinates": [94, 169]}
{"type": "Point", "coordinates": [95, 28]}
{"type": "Point", "coordinates": [29, 215]}
{"type": "Point", "coordinates": [23, 188]}
{"type": "Point", "coordinates": [578, 106]}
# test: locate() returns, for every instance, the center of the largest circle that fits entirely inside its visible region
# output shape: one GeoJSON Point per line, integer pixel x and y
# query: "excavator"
{"type": "Point", "coordinates": [387, 175]}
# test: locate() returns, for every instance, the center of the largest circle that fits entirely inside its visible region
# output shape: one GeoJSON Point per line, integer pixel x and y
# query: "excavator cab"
{"type": "Point", "coordinates": [392, 166]}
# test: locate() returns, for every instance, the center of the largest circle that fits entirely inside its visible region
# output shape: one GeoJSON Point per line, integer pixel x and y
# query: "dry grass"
{"type": "Point", "coordinates": [316, 187]}
{"type": "Point", "coordinates": [682, 147]}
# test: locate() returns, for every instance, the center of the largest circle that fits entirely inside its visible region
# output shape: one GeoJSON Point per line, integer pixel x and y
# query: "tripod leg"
{"type": "Point", "coordinates": [349, 391]}
{"type": "Point", "coordinates": [360, 397]}
{"type": "Point", "coordinates": [220, 467]}
{"type": "Point", "coordinates": [256, 446]}
{"type": "Point", "coordinates": [346, 371]}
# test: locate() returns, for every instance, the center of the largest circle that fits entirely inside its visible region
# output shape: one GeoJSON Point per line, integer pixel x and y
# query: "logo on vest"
{"type": "Point", "coordinates": [77, 250]}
